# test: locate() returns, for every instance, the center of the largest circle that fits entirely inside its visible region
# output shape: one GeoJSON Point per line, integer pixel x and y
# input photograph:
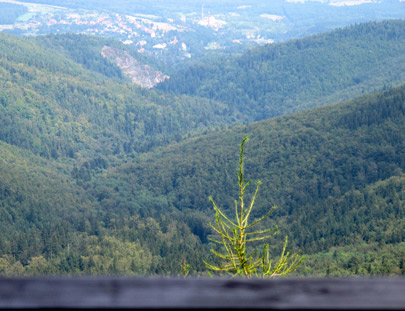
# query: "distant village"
{"type": "Point", "coordinates": [176, 37]}
{"type": "Point", "coordinates": [146, 33]}
{"type": "Point", "coordinates": [137, 30]}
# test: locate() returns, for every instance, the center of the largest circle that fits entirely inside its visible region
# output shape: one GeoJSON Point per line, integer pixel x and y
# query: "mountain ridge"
{"type": "Point", "coordinates": [281, 78]}
{"type": "Point", "coordinates": [98, 176]}
{"type": "Point", "coordinates": [55, 106]}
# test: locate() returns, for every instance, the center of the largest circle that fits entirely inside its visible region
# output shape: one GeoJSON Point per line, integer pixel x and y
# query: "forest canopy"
{"type": "Point", "coordinates": [101, 177]}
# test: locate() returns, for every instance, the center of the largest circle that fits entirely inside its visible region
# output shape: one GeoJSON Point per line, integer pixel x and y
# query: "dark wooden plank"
{"type": "Point", "coordinates": [106, 292]}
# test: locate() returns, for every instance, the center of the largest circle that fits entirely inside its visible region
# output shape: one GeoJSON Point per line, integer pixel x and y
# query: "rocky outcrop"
{"type": "Point", "coordinates": [140, 74]}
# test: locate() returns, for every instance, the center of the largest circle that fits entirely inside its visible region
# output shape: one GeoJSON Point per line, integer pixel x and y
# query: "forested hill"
{"type": "Point", "coordinates": [336, 173]}
{"type": "Point", "coordinates": [282, 78]}
{"type": "Point", "coordinates": [57, 101]}
{"type": "Point", "coordinates": [87, 51]}
{"type": "Point", "coordinates": [97, 177]}
{"type": "Point", "coordinates": [341, 165]}
{"type": "Point", "coordinates": [66, 115]}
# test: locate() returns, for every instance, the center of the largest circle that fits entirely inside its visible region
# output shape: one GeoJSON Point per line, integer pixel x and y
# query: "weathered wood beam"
{"type": "Point", "coordinates": [115, 292]}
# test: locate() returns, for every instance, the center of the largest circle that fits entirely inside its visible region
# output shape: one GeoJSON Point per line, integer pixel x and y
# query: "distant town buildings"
{"type": "Point", "coordinates": [147, 33]}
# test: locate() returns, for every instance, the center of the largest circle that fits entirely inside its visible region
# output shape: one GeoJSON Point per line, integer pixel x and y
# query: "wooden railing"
{"type": "Point", "coordinates": [114, 292]}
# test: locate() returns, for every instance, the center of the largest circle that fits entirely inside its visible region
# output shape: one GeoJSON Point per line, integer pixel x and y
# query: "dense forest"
{"type": "Point", "coordinates": [86, 51]}
{"type": "Point", "coordinates": [98, 176]}
{"type": "Point", "coordinates": [144, 216]}
{"type": "Point", "coordinates": [277, 79]}
{"type": "Point", "coordinates": [54, 107]}
{"type": "Point", "coordinates": [336, 174]}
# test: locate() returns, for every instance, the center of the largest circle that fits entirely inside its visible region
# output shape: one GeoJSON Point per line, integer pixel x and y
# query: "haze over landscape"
{"type": "Point", "coordinates": [119, 119]}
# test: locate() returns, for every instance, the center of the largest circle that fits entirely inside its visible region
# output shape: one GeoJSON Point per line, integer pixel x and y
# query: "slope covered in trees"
{"type": "Point", "coordinates": [87, 51]}
{"type": "Point", "coordinates": [51, 105]}
{"type": "Point", "coordinates": [282, 78]}
{"type": "Point", "coordinates": [92, 180]}
{"type": "Point", "coordinates": [336, 174]}
{"type": "Point", "coordinates": [62, 121]}
{"type": "Point", "coordinates": [50, 224]}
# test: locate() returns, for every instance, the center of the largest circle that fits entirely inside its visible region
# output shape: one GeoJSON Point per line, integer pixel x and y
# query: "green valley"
{"type": "Point", "coordinates": [336, 174]}
{"type": "Point", "coordinates": [99, 176]}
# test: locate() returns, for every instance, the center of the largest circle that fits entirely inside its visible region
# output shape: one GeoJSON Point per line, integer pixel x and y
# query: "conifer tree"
{"type": "Point", "coordinates": [237, 235]}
